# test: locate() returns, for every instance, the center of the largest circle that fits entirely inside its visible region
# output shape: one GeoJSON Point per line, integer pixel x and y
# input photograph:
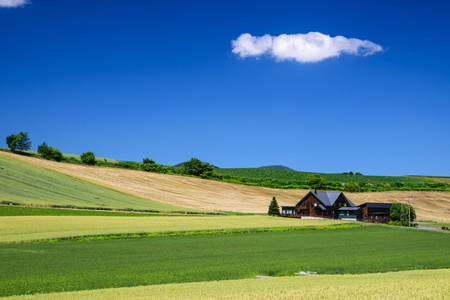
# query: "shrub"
{"type": "Point", "coordinates": [197, 168]}
{"type": "Point", "coordinates": [315, 180]}
{"type": "Point", "coordinates": [88, 158]}
{"type": "Point", "coordinates": [50, 153]}
{"type": "Point", "coordinates": [351, 187]}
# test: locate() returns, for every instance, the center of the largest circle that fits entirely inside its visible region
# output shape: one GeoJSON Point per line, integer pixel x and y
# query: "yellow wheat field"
{"type": "Point", "coordinates": [28, 228]}
{"type": "Point", "coordinates": [423, 284]}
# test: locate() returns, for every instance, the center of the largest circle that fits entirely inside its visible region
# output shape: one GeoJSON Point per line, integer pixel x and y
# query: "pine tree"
{"type": "Point", "coordinates": [274, 209]}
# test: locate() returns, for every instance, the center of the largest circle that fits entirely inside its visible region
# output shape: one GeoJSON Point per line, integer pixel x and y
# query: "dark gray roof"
{"type": "Point", "coordinates": [376, 205]}
{"type": "Point", "coordinates": [353, 208]}
{"type": "Point", "coordinates": [322, 207]}
{"type": "Point", "coordinates": [328, 198]}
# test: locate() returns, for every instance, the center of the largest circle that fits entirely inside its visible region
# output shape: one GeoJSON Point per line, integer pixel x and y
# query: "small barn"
{"type": "Point", "coordinates": [375, 212]}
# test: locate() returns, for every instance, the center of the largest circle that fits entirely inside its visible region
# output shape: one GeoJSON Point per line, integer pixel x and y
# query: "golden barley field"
{"type": "Point", "coordinates": [423, 284]}
{"type": "Point", "coordinates": [30, 228]}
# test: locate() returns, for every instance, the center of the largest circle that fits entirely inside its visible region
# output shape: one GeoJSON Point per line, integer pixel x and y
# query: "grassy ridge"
{"type": "Point", "coordinates": [27, 228]}
{"type": "Point", "coordinates": [301, 176]}
{"type": "Point", "coordinates": [441, 179]}
{"type": "Point", "coordinates": [27, 184]}
{"type": "Point", "coordinates": [423, 284]}
{"type": "Point", "coordinates": [44, 267]}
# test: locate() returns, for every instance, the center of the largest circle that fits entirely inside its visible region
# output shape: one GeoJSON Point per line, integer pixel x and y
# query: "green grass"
{"type": "Point", "coordinates": [422, 284]}
{"type": "Point", "coordinates": [55, 267]}
{"type": "Point", "coordinates": [27, 228]}
{"type": "Point", "coordinates": [10, 211]}
{"type": "Point", "coordinates": [27, 184]}
{"type": "Point", "coordinates": [301, 176]}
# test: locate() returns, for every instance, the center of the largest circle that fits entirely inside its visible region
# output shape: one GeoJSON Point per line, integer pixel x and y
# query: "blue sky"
{"type": "Point", "coordinates": [159, 79]}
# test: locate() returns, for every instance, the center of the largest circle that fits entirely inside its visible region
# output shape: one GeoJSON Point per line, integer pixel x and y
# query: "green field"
{"type": "Point", "coordinates": [27, 184]}
{"type": "Point", "coordinates": [26, 228]}
{"type": "Point", "coordinates": [423, 284]}
{"type": "Point", "coordinates": [301, 176]}
{"type": "Point", "coordinates": [10, 211]}
{"type": "Point", "coordinates": [69, 266]}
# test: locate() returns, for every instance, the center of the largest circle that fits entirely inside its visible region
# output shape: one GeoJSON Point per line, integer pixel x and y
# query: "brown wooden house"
{"type": "Point", "coordinates": [317, 204]}
{"type": "Point", "coordinates": [335, 205]}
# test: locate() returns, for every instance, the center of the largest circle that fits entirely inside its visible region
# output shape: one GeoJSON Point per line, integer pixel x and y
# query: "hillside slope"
{"type": "Point", "coordinates": [219, 196]}
{"type": "Point", "coordinates": [23, 183]}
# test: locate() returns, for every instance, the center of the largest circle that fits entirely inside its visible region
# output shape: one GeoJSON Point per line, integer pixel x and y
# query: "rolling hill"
{"type": "Point", "coordinates": [194, 193]}
{"type": "Point", "coordinates": [291, 175]}
{"type": "Point", "coordinates": [25, 183]}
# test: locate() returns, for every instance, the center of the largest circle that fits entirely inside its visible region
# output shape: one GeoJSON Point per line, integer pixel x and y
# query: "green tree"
{"type": "Point", "coordinates": [399, 214]}
{"type": "Point", "coordinates": [48, 152]}
{"type": "Point", "coordinates": [274, 209]}
{"type": "Point", "coordinates": [148, 161]}
{"type": "Point", "coordinates": [197, 168]}
{"type": "Point", "coordinates": [18, 141]}
{"type": "Point", "coordinates": [351, 187]}
{"type": "Point", "coordinates": [149, 165]}
{"type": "Point", "coordinates": [88, 158]}
{"type": "Point", "coordinates": [315, 180]}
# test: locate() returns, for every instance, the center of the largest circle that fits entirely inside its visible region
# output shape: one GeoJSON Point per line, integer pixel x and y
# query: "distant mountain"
{"type": "Point", "coordinates": [277, 167]}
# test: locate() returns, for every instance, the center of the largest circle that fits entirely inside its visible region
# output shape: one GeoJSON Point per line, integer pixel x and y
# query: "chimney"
{"type": "Point", "coordinates": [315, 191]}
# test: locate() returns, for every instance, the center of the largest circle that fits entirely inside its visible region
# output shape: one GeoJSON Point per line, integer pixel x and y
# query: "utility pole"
{"type": "Point", "coordinates": [409, 209]}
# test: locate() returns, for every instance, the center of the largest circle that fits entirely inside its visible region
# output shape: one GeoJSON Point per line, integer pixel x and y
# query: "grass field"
{"type": "Point", "coordinates": [301, 176]}
{"type": "Point", "coordinates": [69, 266]}
{"type": "Point", "coordinates": [423, 284]}
{"type": "Point", "coordinates": [11, 211]}
{"type": "Point", "coordinates": [27, 184]}
{"type": "Point", "coordinates": [26, 228]}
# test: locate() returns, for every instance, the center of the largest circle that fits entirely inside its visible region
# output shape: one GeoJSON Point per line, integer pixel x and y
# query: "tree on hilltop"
{"type": "Point", "coordinates": [88, 158]}
{"type": "Point", "coordinates": [18, 141]}
{"type": "Point", "coordinates": [197, 168]}
{"type": "Point", "coordinates": [274, 209]}
{"type": "Point", "coordinates": [50, 153]}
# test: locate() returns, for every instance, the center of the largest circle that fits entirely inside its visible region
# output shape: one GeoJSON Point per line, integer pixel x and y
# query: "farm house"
{"type": "Point", "coordinates": [335, 205]}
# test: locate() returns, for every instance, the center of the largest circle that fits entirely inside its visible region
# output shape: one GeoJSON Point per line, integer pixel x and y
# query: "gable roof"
{"type": "Point", "coordinates": [328, 198]}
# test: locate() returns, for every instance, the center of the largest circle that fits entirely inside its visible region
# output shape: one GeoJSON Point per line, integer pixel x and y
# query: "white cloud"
{"type": "Point", "coordinates": [13, 3]}
{"type": "Point", "coordinates": [309, 47]}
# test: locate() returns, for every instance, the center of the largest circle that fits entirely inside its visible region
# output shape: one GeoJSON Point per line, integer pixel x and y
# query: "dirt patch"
{"type": "Point", "coordinates": [220, 196]}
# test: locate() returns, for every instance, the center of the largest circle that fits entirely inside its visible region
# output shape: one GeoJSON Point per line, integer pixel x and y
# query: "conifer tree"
{"type": "Point", "coordinates": [274, 209]}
